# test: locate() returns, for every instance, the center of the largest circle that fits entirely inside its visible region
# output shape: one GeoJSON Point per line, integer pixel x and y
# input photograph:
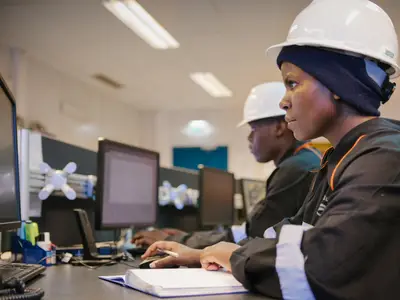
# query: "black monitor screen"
{"type": "Point", "coordinates": [217, 190]}
{"type": "Point", "coordinates": [127, 187]}
{"type": "Point", "coordinates": [9, 194]}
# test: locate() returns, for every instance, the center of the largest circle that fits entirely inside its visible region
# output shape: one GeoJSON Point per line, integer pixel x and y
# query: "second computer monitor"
{"type": "Point", "coordinates": [217, 189]}
{"type": "Point", "coordinates": [253, 192]}
{"type": "Point", "coordinates": [127, 186]}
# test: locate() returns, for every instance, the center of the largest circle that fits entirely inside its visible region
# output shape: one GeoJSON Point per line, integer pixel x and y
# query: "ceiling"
{"type": "Point", "coordinates": [225, 37]}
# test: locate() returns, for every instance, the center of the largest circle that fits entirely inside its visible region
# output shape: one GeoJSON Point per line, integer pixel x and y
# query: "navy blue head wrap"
{"type": "Point", "coordinates": [347, 76]}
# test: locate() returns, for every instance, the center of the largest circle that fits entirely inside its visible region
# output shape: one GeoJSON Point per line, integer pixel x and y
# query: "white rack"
{"type": "Point", "coordinates": [46, 181]}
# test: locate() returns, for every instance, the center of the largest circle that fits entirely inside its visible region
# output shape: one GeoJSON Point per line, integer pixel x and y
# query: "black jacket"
{"type": "Point", "coordinates": [286, 189]}
{"type": "Point", "coordinates": [344, 242]}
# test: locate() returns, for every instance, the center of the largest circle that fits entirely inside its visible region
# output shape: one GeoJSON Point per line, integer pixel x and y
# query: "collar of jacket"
{"type": "Point", "coordinates": [350, 138]}
{"type": "Point", "coordinates": [334, 156]}
{"type": "Point", "coordinates": [291, 151]}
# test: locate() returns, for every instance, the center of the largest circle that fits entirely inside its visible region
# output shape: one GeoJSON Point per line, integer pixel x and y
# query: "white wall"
{"type": "Point", "coordinates": [168, 126]}
{"type": "Point", "coordinates": [74, 111]}
{"type": "Point", "coordinates": [78, 114]}
{"type": "Point", "coordinates": [146, 130]}
{"type": "Point", "coordinates": [4, 63]}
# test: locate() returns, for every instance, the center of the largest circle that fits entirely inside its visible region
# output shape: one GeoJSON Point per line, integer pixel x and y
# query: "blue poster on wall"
{"type": "Point", "coordinates": [192, 157]}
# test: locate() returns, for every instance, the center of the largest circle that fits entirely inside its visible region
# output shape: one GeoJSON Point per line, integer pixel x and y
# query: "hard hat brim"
{"type": "Point", "coordinates": [241, 124]}
{"type": "Point", "coordinates": [245, 122]}
{"type": "Point", "coordinates": [273, 52]}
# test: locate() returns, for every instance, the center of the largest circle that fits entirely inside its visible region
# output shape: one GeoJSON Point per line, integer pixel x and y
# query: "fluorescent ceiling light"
{"type": "Point", "coordinates": [198, 129]}
{"type": "Point", "coordinates": [87, 128]}
{"type": "Point", "coordinates": [133, 15]}
{"type": "Point", "coordinates": [211, 84]}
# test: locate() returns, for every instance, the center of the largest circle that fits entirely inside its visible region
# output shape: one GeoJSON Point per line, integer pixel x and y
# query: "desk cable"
{"type": "Point", "coordinates": [16, 290]}
{"type": "Point", "coordinates": [94, 267]}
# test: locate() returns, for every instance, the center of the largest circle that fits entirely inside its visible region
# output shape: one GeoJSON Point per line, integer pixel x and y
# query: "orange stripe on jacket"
{"type": "Point", "coordinates": [331, 182]}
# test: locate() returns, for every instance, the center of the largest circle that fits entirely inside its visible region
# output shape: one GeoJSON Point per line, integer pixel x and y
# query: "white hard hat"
{"type": "Point", "coordinates": [263, 102]}
{"type": "Point", "coordinates": [353, 26]}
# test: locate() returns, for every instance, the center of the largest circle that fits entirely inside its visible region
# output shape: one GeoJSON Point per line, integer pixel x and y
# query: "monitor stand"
{"type": "Point", "coordinates": [90, 252]}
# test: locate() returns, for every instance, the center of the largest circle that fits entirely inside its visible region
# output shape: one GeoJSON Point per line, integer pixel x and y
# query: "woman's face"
{"type": "Point", "coordinates": [310, 106]}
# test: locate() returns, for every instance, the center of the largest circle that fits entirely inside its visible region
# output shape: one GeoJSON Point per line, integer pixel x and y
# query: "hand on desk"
{"type": "Point", "coordinates": [211, 258]}
{"type": "Point", "coordinates": [186, 256]}
{"type": "Point", "coordinates": [218, 256]}
{"type": "Point", "coordinates": [146, 238]}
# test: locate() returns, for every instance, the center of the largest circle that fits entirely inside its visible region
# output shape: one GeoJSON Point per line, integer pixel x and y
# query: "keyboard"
{"type": "Point", "coordinates": [23, 272]}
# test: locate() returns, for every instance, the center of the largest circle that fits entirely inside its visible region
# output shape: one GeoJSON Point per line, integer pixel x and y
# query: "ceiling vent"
{"type": "Point", "coordinates": [108, 81]}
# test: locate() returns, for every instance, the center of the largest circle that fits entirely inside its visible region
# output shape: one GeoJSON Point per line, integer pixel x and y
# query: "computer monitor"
{"type": "Point", "coordinates": [169, 215]}
{"type": "Point", "coordinates": [127, 186]}
{"type": "Point", "coordinates": [10, 215]}
{"type": "Point", "coordinates": [216, 204]}
{"type": "Point", "coordinates": [253, 192]}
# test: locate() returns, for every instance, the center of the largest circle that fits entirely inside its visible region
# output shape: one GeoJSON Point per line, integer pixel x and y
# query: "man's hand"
{"type": "Point", "coordinates": [146, 238]}
{"type": "Point", "coordinates": [186, 256]}
{"type": "Point", "coordinates": [214, 257]}
{"type": "Point", "coordinates": [173, 231]}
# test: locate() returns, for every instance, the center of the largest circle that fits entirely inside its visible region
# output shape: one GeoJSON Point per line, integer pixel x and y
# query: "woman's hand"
{"type": "Point", "coordinates": [218, 256]}
{"type": "Point", "coordinates": [186, 256]}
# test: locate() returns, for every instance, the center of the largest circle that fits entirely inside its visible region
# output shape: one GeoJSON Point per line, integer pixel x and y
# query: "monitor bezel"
{"type": "Point", "coordinates": [12, 225]}
{"type": "Point", "coordinates": [103, 146]}
{"type": "Point", "coordinates": [203, 224]}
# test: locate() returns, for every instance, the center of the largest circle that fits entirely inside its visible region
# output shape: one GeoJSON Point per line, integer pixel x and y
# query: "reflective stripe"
{"type": "Point", "coordinates": [270, 233]}
{"type": "Point", "coordinates": [306, 226]}
{"type": "Point", "coordinates": [239, 232]}
{"type": "Point", "coordinates": [289, 264]}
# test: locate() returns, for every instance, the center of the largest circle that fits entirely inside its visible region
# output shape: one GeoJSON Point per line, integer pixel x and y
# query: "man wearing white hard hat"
{"type": "Point", "coordinates": [337, 64]}
{"type": "Point", "coordinates": [287, 186]}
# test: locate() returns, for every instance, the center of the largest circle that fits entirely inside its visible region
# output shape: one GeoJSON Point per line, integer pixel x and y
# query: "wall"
{"type": "Point", "coordinates": [78, 114]}
{"type": "Point", "coordinates": [168, 126]}
{"type": "Point", "coordinates": [146, 129]}
{"type": "Point", "coordinates": [4, 63]}
{"type": "Point", "coordinates": [73, 111]}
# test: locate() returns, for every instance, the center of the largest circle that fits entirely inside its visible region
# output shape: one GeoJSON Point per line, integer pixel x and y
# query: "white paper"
{"type": "Point", "coordinates": [183, 278]}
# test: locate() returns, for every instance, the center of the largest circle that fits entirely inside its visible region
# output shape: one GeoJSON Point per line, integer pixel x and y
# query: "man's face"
{"type": "Point", "coordinates": [262, 139]}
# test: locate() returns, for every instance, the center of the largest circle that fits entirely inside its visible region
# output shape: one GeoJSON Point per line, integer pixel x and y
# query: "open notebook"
{"type": "Point", "coordinates": [178, 282]}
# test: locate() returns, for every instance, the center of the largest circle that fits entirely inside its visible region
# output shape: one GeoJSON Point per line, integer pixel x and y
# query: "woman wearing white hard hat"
{"type": "Point", "coordinates": [337, 63]}
{"type": "Point", "coordinates": [287, 187]}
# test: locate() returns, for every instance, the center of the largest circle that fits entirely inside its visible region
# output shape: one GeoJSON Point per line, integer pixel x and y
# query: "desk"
{"type": "Point", "coordinates": [79, 283]}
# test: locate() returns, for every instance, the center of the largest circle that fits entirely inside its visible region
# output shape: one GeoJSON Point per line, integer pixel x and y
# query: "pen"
{"type": "Point", "coordinates": [170, 253]}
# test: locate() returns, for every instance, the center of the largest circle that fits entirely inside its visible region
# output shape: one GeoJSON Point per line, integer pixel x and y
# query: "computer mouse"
{"type": "Point", "coordinates": [145, 264]}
